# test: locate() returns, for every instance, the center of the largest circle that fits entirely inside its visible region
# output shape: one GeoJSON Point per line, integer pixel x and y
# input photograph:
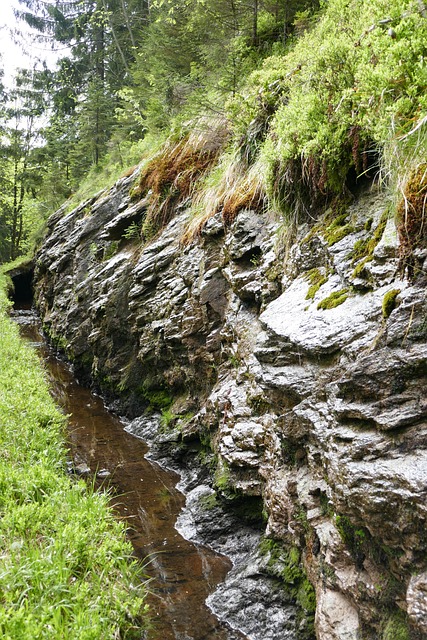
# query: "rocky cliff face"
{"type": "Point", "coordinates": [304, 372]}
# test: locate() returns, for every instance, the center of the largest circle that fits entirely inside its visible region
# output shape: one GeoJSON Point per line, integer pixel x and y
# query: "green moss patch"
{"type": "Point", "coordinates": [360, 269]}
{"type": "Point", "coordinates": [389, 302]}
{"type": "Point", "coordinates": [157, 399]}
{"type": "Point", "coordinates": [334, 300]}
{"type": "Point", "coordinates": [222, 479]}
{"type": "Point", "coordinates": [334, 234]}
{"type": "Point", "coordinates": [209, 501]}
{"type": "Point", "coordinates": [352, 536]}
{"type": "Point", "coordinates": [286, 564]}
{"type": "Point", "coordinates": [396, 628]}
{"type": "Point", "coordinates": [363, 250]}
{"type": "Point", "coordinates": [316, 279]}
{"type": "Point", "coordinates": [364, 247]}
{"type": "Point", "coordinates": [306, 596]}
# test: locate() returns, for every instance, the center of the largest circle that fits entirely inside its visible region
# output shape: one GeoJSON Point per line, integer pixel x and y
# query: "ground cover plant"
{"type": "Point", "coordinates": [66, 568]}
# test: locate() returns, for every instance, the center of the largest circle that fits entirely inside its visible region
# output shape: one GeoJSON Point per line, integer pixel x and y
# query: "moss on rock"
{"type": "Point", "coordinates": [364, 247]}
{"type": "Point", "coordinates": [286, 564]}
{"type": "Point", "coordinates": [389, 302]}
{"type": "Point", "coordinates": [334, 300]}
{"type": "Point", "coordinates": [335, 234]}
{"type": "Point", "coordinates": [158, 399]}
{"type": "Point", "coordinates": [396, 628]}
{"type": "Point", "coordinates": [360, 270]}
{"type": "Point", "coordinates": [316, 279]}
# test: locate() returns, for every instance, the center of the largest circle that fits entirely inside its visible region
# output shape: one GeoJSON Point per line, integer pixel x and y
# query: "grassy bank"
{"type": "Point", "coordinates": [65, 566]}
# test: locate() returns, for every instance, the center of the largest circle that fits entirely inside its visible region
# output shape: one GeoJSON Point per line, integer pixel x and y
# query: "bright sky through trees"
{"type": "Point", "coordinates": [12, 54]}
{"type": "Point", "coordinates": [17, 48]}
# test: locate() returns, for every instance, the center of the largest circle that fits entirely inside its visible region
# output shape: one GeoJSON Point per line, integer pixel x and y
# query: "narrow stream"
{"type": "Point", "coordinates": [183, 574]}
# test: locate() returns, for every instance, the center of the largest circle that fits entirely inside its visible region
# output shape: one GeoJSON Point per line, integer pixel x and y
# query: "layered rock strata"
{"type": "Point", "coordinates": [302, 364]}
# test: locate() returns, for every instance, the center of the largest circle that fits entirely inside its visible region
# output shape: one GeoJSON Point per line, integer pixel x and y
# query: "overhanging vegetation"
{"type": "Point", "coordinates": [281, 109]}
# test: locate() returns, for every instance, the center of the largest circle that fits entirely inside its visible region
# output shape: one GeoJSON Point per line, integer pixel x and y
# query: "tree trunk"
{"type": "Point", "coordinates": [255, 24]}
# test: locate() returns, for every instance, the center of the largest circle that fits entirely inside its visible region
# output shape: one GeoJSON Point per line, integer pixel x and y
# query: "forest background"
{"type": "Point", "coordinates": [279, 104]}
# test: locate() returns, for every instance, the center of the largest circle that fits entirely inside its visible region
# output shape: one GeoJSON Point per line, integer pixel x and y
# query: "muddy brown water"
{"type": "Point", "coordinates": [183, 574]}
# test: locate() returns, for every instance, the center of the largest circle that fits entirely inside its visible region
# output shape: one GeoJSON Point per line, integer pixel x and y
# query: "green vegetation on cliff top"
{"type": "Point", "coordinates": [66, 569]}
{"type": "Point", "coordinates": [343, 100]}
{"type": "Point", "coordinates": [286, 110]}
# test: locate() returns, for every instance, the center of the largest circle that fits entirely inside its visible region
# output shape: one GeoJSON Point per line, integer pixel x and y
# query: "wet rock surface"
{"type": "Point", "coordinates": [303, 381]}
{"type": "Point", "coordinates": [249, 600]}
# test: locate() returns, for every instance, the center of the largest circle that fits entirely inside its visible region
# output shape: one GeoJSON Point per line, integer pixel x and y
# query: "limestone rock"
{"type": "Point", "coordinates": [417, 601]}
{"type": "Point", "coordinates": [336, 618]}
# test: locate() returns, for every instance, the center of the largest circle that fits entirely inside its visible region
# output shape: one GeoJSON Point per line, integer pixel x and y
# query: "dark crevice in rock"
{"type": "Point", "coordinates": [22, 279]}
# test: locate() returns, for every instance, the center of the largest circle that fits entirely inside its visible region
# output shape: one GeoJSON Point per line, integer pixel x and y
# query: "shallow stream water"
{"type": "Point", "coordinates": [183, 574]}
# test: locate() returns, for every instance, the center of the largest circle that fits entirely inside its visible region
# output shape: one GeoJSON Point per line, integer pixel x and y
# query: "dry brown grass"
{"type": "Point", "coordinates": [230, 188]}
{"type": "Point", "coordinates": [411, 216]}
{"type": "Point", "coordinates": [171, 176]}
{"type": "Point", "coordinates": [404, 172]}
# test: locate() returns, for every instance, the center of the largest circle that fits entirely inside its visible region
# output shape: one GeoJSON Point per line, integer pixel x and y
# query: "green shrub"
{"type": "Point", "coordinates": [132, 232]}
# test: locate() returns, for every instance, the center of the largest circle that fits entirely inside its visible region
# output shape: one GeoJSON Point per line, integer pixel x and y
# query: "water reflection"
{"type": "Point", "coordinates": [183, 574]}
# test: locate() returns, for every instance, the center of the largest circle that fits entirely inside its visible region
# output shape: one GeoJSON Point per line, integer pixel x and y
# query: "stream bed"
{"type": "Point", "coordinates": [183, 574]}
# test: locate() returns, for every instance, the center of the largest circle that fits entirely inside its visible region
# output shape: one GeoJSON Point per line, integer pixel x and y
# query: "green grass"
{"type": "Point", "coordinates": [347, 96]}
{"type": "Point", "coordinates": [66, 568]}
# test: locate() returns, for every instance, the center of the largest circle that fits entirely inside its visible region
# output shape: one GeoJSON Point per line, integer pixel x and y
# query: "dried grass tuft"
{"type": "Point", "coordinates": [405, 169]}
{"type": "Point", "coordinates": [229, 188]}
{"type": "Point", "coordinates": [411, 216]}
{"type": "Point", "coordinates": [170, 177]}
